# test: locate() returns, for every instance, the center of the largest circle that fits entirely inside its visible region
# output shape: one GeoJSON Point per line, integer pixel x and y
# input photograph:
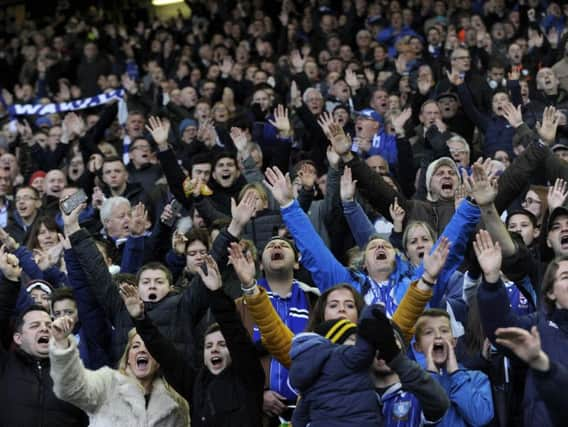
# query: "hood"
{"type": "Point", "coordinates": [309, 353]}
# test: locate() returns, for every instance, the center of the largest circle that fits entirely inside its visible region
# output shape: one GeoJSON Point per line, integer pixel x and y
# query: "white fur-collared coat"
{"type": "Point", "coordinates": [110, 398]}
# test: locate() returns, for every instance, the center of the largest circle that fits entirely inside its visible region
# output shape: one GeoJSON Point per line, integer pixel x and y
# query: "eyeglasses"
{"type": "Point", "coordinates": [141, 147]}
{"type": "Point", "coordinates": [461, 58]}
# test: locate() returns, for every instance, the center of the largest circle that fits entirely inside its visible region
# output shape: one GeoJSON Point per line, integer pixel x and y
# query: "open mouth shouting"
{"type": "Point", "coordinates": [564, 241]}
{"type": "Point", "coordinates": [142, 362]}
{"type": "Point", "coordinates": [380, 255]}
{"type": "Point", "coordinates": [439, 352]}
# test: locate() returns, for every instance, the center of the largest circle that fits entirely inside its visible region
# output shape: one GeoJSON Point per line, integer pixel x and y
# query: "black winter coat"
{"type": "Point", "coordinates": [26, 389]}
{"type": "Point", "coordinates": [231, 399]}
{"type": "Point", "coordinates": [175, 316]}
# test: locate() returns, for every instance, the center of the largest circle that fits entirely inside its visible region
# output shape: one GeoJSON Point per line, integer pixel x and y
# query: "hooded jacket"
{"type": "Point", "coordinates": [334, 383]}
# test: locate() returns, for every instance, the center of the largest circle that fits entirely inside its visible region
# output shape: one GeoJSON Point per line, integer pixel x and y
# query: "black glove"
{"type": "Point", "coordinates": [379, 333]}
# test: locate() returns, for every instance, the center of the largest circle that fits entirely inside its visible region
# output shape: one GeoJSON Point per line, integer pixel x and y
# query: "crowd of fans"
{"type": "Point", "coordinates": [323, 213]}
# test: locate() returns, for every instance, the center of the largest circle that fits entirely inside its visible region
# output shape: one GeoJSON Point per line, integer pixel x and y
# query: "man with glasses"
{"type": "Point", "coordinates": [27, 205]}
{"type": "Point", "coordinates": [142, 168]}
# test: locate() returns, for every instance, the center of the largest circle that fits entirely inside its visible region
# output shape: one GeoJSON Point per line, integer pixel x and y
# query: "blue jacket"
{"type": "Point", "coordinates": [327, 271]}
{"type": "Point", "coordinates": [334, 383]}
{"type": "Point", "coordinates": [470, 396]}
{"type": "Point", "coordinates": [496, 313]}
{"type": "Point", "coordinates": [458, 231]}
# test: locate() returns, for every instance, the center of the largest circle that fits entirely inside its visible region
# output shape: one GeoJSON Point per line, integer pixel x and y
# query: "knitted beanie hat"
{"type": "Point", "coordinates": [337, 330]}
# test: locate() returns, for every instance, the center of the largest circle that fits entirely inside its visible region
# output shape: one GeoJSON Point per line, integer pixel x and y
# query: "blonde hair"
{"type": "Point", "coordinates": [182, 404]}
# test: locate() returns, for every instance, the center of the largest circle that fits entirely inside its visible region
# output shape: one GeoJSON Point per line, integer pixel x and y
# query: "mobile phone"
{"type": "Point", "coordinates": [71, 202]}
{"type": "Point", "coordinates": [204, 268]}
{"type": "Point", "coordinates": [176, 209]}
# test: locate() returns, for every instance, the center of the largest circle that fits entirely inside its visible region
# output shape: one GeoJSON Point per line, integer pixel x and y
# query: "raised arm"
{"type": "Point", "coordinates": [467, 101]}
{"type": "Point", "coordinates": [276, 337]}
{"type": "Point", "coordinates": [316, 257]}
{"type": "Point", "coordinates": [243, 352]}
{"type": "Point", "coordinates": [72, 383]}
{"type": "Point", "coordinates": [9, 289]}
{"type": "Point", "coordinates": [93, 265]}
{"type": "Point", "coordinates": [176, 368]}
{"type": "Point", "coordinates": [376, 190]}
{"type": "Point", "coordinates": [493, 301]}
{"type": "Point", "coordinates": [359, 223]}
{"type": "Point", "coordinates": [96, 329]}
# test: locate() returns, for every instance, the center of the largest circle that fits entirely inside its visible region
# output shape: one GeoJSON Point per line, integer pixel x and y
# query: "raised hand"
{"type": "Point", "coordinates": [461, 192]}
{"type": "Point", "coordinates": [279, 185]}
{"type": "Point", "coordinates": [71, 221]}
{"type": "Point", "coordinates": [240, 140]}
{"type": "Point", "coordinates": [557, 194]}
{"type": "Point", "coordinates": [132, 300]}
{"type": "Point", "coordinates": [9, 265]}
{"type": "Point", "coordinates": [98, 198]}
{"type": "Point", "coordinates": [515, 73]}
{"type": "Point", "coordinates": [489, 255]}
{"type": "Point", "coordinates": [8, 241]}
{"type": "Point", "coordinates": [351, 79]}
{"type": "Point", "coordinates": [25, 131]}
{"type": "Point", "coordinates": [129, 84]}
{"type": "Point", "coordinates": [242, 264]}
{"type": "Point", "coordinates": [179, 243]}
{"type": "Point", "coordinates": [209, 273]}
{"type": "Point", "coordinates": [483, 188]}
{"type": "Point", "coordinates": [245, 210]}
{"type": "Point", "coordinates": [399, 121]}
{"type": "Point", "coordinates": [347, 185]}
{"type": "Point", "coordinates": [159, 130]}
{"type": "Point", "coordinates": [455, 78]}
{"type": "Point", "coordinates": [295, 95]}
{"type": "Point", "coordinates": [340, 142]}
{"type": "Point", "coordinates": [297, 61]}
{"type": "Point", "coordinates": [41, 258]}
{"type": "Point", "coordinates": [138, 220]}
{"type": "Point", "coordinates": [513, 115]}
{"type": "Point", "coordinates": [525, 345]}
{"type": "Point", "coordinates": [547, 129]}
{"type": "Point", "coordinates": [281, 121]}
{"type": "Point", "coordinates": [397, 214]}
{"type": "Point", "coordinates": [61, 328]}
{"type": "Point", "coordinates": [434, 262]}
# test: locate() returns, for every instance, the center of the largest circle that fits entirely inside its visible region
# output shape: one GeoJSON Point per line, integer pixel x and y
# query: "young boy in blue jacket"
{"type": "Point", "coordinates": [469, 391]}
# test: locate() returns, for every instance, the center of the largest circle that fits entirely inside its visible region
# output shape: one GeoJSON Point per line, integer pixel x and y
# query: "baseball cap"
{"type": "Point", "coordinates": [370, 114]}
